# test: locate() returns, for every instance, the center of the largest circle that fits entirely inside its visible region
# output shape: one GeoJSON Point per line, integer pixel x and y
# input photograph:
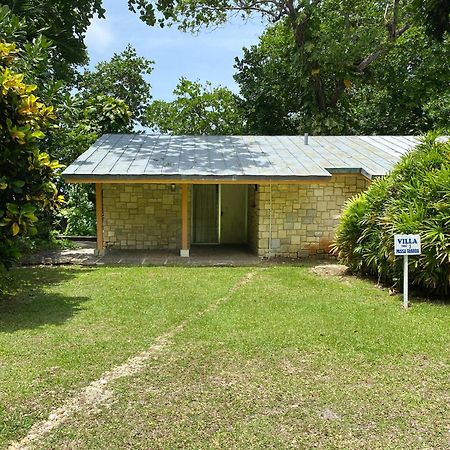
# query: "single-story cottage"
{"type": "Point", "coordinates": [279, 195]}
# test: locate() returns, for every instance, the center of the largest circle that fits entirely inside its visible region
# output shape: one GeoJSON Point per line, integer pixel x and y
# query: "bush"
{"type": "Point", "coordinates": [413, 199]}
{"type": "Point", "coordinates": [78, 218]}
{"type": "Point", "coordinates": [27, 174]}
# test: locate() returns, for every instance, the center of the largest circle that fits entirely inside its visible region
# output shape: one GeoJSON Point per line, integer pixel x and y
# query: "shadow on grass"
{"type": "Point", "coordinates": [27, 303]}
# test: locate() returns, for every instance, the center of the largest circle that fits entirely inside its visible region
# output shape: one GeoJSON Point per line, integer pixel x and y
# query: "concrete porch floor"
{"type": "Point", "coordinates": [204, 255]}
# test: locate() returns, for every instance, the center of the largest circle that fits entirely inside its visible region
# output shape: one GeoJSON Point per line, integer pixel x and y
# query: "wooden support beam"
{"type": "Point", "coordinates": [184, 221]}
{"type": "Point", "coordinates": [99, 216]}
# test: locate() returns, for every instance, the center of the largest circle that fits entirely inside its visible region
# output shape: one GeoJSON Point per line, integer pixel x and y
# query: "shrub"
{"type": "Point", "coordinates": [413, 199]}
{"type": "Point", "coordinates": [27, 174]}
{"type": "Point", "coordinates": [78, 218]}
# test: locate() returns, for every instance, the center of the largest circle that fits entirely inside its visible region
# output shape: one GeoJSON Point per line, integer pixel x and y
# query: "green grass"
{"type": "Point", "coordinates": [291, 360]}
{"type": "Point", "coordinates": [63, 327]}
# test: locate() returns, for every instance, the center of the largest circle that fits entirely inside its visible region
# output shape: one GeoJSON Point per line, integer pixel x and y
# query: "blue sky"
{"type": "Point", "coordinates": [208, 55]}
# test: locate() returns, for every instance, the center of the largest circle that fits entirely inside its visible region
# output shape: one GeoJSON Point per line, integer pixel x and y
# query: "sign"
{"type": "Point", "coordinates": [404, 245]}
{"type": "Point", "coordinates": [407, 244]}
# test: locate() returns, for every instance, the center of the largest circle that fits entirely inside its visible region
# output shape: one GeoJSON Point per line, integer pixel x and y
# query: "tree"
{"type": "Point", "coordinates": [408, 91]}
{"type": "Point", "coordinates": [336, 43]}
{"type": "Point", "coordinates": [270, 84]}
{"type": "Point", "coordinates": [403, 92]}
{"type": "Point", "coordinates": [64, 22]}
{"type": "Point", "coordinates": [27, 175]}
{"type": "Point", "coordinates": [358, 33]}
{"type": "Point", "coordinates": [435, 16]}
{"type": "Point", "coordinates": [197, 109]}
{"type": "Point", "coordinates": [80, 121]}
{"type": "Point", "coordinates": [83, 121]}
{"type": "Point", "coordinates": [123, 77]}
{"type": "Point", "coordinates": [35, 55]}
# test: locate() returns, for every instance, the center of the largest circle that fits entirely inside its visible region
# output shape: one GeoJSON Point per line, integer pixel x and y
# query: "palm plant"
{"type": "Point", "coordinates": [413, 198]}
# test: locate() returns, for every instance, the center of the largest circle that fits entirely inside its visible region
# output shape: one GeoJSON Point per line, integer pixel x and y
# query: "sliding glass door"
{"type": "Point", "coordinates": [205, 214]}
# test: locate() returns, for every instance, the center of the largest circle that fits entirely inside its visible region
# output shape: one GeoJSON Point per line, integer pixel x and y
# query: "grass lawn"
{"type": "Point", "coordinates": [286, 359]}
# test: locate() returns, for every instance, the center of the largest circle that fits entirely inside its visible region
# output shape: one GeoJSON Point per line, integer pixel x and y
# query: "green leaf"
{"type": "Point", "coordinates": [31, 217]}
{"type": "Point", "coordinates": [12, 208]}
{"type": "Point", "coordinates": [28, 208]}
{"type": "Point", "coordinates": [38, 135]}
{"type": "Point", "coordinates": [15, 228]}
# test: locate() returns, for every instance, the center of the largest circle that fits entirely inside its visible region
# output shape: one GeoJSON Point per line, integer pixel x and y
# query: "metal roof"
{"type": "Point", "coordinates": [136, 157]}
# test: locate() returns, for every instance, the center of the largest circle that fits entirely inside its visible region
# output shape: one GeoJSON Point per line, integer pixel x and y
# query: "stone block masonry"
{"type": "Point", "coordinates": [142, 216]}
{"type": "Point", "coordinates": [301, 222]}
{"type": "Point", "coordinates": [304, 216]}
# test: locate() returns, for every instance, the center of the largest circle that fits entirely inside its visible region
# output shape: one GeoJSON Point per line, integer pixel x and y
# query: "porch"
{"type": "Point", "coordinates": [200, 255]}
{"type": "Point", "coordinates": [161, 216]}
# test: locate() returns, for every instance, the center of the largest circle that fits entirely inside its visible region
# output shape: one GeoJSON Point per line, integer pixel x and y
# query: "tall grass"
{"type": "Point", "coordinates": [413, 199]}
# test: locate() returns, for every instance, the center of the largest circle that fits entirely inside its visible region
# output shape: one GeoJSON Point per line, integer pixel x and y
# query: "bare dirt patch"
{"type": "Point", "coordinates": [331, 270]}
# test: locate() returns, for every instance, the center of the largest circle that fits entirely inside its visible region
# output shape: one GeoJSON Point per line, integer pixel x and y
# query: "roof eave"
{"type": "Point", "coordinates": [193, 179]}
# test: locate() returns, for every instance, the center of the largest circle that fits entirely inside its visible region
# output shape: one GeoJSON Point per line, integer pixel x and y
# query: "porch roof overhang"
{"type": "Point", "coordinates": [141, 158]}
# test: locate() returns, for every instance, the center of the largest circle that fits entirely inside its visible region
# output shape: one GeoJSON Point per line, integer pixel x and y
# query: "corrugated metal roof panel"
{"type": "Point", "coordinates": [131, 156]}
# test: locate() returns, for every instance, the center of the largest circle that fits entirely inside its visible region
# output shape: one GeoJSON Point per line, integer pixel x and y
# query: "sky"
{"type": "Point", "coordinates": [207, 56]}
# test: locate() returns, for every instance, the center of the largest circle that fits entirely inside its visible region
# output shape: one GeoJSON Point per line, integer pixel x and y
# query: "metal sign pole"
{"type": "Point", "coordinates": [405, 281]}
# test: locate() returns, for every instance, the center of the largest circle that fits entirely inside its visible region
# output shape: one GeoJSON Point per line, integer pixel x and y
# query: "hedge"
{"type": "Point", "coordinates": [413, 199]}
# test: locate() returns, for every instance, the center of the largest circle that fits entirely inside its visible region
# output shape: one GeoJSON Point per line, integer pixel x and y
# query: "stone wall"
{"type": "Point", "coordinates": [141, 216]}
{"type": "Point", "coordinates": [304, 216]}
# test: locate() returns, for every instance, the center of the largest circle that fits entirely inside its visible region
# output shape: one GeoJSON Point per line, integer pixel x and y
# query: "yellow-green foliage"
{"type": "Point", "coordinates": [414, 198]}
{"type": "Point", "coordinates": [26, 173]}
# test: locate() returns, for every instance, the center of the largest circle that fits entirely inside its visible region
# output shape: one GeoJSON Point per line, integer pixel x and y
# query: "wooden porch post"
{"type": "Point", "coordinates": [184, 252]}
{"type": "Point", "coordinates": [99, 216]}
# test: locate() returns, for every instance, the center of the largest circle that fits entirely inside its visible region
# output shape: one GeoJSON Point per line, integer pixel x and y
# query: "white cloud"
{"type": "Point", "coordinates": [99, 37]}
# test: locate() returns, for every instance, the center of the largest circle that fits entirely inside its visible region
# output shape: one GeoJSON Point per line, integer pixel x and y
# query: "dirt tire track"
{"type": "Point", "coordinates": [97, 394]}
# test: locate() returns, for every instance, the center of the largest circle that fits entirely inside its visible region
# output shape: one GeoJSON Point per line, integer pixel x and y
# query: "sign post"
{"type": "Point", "coordinates": [405, 281]}
{"type": "Point", "coordinates": [406, 244]}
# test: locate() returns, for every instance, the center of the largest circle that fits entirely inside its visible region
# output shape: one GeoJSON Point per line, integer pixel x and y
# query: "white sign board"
{"type": "Point", "coordinates": [404, 245]}
{"type": "Point", "coordinates": [407, 244]}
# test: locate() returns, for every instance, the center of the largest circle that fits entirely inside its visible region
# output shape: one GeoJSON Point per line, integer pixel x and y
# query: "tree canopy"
{"type": "Point", "coordinates": [64, 22]}
{"type": "Point", "coordinates": [435, 16]}
{"type": "Point", "coordinates": [407, 91]}
{"type": "Point", "coordinates": [124, 78]}
{"type": "Point", "coordinates": [336, 43]}
{"type": "Point", "coordinates": [197, 109]}
{"type": "Point", "coordinates": [82, 121]}
{"type": "Point", "coordinates": [403, 91]}
{"type": "Point", "coordinates": [271, 86]}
